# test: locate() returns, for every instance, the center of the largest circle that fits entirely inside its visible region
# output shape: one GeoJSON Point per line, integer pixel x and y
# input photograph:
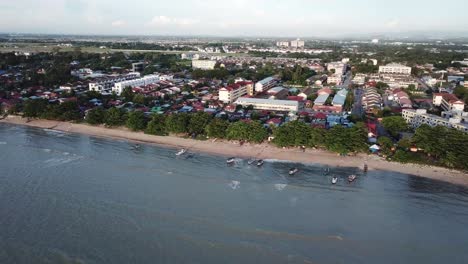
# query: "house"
{"type": "Point", "coordinates": [306, 93]}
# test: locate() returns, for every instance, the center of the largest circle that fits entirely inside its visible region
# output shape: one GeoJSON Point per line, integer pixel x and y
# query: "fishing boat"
{"type": "Point", "coordinates": [293, 171]}
{"type": "Point", "coordinates": [251, 161]}
{"type": "Point", "coordinates": [327, 171]}
{"type": "Point", "coordinates": [230, 160]}
{"type": "Point", "coordinates": [260, 163]}
{"type": "Point", "coordinates": [181, 152]}
{"type": "Point", "coordinates": [136, 147]}
{"type": "Point", "coordinates": [352, 178]}
{"type": "Point", "coordinates": [334, 180]}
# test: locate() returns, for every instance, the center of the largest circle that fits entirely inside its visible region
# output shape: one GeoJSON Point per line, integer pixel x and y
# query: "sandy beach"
{"type": "Point", "coordinates": [262, 151]}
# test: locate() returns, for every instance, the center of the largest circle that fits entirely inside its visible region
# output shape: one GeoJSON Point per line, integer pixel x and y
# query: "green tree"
{"type": "Point", "coordinates": [96, 116]}
{"type": "Point", "coordinates": [178, 123]}
{"type": "Point", "coordinates": [114, 117]}
{"type": "Point", "coordinates": [217, 128]}
{"type": "Point", "coordinates": [394, 125]}
{"type": "Point", "coordinates": [139, 99]}
{"type": "Point", "coordinates": [198, 122]}
{"type": "Point", "coordinates": [127, 94]}
{"type": "Point", "coordinates": [157, 126]}
{"type": "Point", "coordinates": [34, 108]}
{"type": "Point", "coordinates": [257, 132]}
{"type": "Point", "coordinates": [136, 120]}
{"type": "Point", "coordinates": [385, 144]}
{"type": "Point", "coordinates": [238, 131]}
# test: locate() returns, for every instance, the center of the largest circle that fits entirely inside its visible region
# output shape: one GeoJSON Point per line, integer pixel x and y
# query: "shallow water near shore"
{"type": "Point", "coordinates": [69, 197]}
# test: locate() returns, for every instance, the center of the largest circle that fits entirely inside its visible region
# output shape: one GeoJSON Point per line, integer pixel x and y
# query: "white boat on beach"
{"type": "Point", "coordinates": [334, 180]}
{"type": "Point", "coordinates": [260, 163]}
{"type": "Point", "coordinates": [352, 178]}
{"type": "Point", "coordinates": [293, 171]}
{"type": "Point", "coordinates": [181, 152]}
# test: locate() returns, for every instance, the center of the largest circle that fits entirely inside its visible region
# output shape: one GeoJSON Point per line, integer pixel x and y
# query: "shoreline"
{"type": "Point", "coordinates": [259, 151]}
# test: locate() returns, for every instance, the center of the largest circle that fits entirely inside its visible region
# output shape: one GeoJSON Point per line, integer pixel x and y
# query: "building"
{"type": "Point", "coordinates": [321, 99]}
{"type": "Point", "coordinates": [416, 118]}
{"type": "Point", "coordinates": [371, 99]}
{"type": "Point", "coordinates": [340, 98]}
{"type": "Point", "coordinates": [338, 67]}
{"type": "Point", "coordinates": [265, 84]}
{"type": "Point", "coordinates": [203, 64]}
{"type": "Point", "coordinates": [359, 79]}
{"type": "Point", "coordinates": [335, 79]}
{"type": "Point", "coordinates": [448, 102]}
{"type": "Point", "coordinates": [394, 68]}
{"type": "Point", "coordinates": [234, 91]}
{"type": "Point", "coordinates": [282, 44]}
{"type": "Point", "coordinates": [138, 66]}
{"type": "Point", "coordinates": [148, 79]}
{"type": "Point", "coordinates": [278, 93]}
{"type": "Point", "coordinates": [106, 84]}
{"type": "Point", "coordinates": [297, 44]}
{"type": "Point", "coordinates": [271, 105]}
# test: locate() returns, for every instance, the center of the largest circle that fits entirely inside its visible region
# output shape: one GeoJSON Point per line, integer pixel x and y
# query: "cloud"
{"type": "Point", "coordinates": [118, 23]}
{"type": "Point", "coordinates": [392, 24]}
{"type": "Point", "coordinates": [169, 21]}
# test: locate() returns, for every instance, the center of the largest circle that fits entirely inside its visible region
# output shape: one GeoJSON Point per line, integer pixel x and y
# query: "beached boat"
{"type": "Point", "coordinates": [293, 171]}
{"type": "Point", "coordinates": [352, 178]}
{"type": "Point", "coordinates": [334, 180]}
{"type": "Point", "coordinates": [230, 160]}
{"type": "Point", "coordinates": [260, 163]}
{"type": "Point", "coordinates": [181, 152]}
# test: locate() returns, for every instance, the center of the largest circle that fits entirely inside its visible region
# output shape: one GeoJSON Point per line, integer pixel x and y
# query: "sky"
{"type": "Point", "coordinates": [278, 18]}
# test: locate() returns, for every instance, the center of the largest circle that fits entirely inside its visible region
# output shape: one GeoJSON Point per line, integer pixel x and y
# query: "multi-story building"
{"type": "Point", "coordinates": [203, 64]}
{"type": "Point", "coordinates": [282, 44]}
{"type": "Point", "coordinates": [297, 44]}
{"type": "Point", "coordinates": [265, 84]}
{"type": "Point", "coordinates": [371, 99]}
{"type": "Point", "coordinates": [271, 105]}
{"type": "Point", "coordinates": [234, 91]}
{"type": "Point", "coordinates": [394, 68]}
{"type": "Point", "coordinates": [148, 79]}
{"type": "Point", "coordinates": [335, 78]}
{"type": "Point", "coordinates": [339, 67]}
{"type": "Point", "coordinates": [448, 102]}
{"type": "Point", "coordinates": [105, 85]}
{"type": "Point", "coordinates": [416, 118]}
{"type": "Point", "coordinates": [138, 66]}
{"type": "Point", "coordinates": [340, 98]}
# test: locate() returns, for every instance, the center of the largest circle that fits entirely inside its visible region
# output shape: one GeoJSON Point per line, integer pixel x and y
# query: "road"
{"type": "Point", "coordinates": [358, 110]}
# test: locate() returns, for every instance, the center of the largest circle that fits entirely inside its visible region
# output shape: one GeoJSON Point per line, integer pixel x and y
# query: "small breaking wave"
{"type": "Point", "coordinates": [234, 185]}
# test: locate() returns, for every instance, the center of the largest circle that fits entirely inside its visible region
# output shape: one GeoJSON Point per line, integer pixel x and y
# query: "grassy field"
{"type": "Point", "coordinates": [49, 47]}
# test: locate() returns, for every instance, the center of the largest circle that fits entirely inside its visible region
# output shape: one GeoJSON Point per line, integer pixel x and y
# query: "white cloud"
{"type": "Point", "coordinates": [169, 21]}
{"type": "Point", "coordinates": [118, 23]}
{"type": "Point", "coordinates": [392, 24]}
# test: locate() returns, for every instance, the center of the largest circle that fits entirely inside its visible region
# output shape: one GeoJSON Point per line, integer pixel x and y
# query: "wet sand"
{"type": "Point", "coordinates": [259, 151]}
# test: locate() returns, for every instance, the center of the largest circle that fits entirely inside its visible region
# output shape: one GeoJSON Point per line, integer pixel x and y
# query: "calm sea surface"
{"type": "Point", "coordinates": [67, 198]}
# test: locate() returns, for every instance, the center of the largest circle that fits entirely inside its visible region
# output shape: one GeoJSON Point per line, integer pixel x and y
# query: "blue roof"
{"type": "Point", "coordinates": [321, 99]}
{"type": "Point", "coordinates": [340, 97]}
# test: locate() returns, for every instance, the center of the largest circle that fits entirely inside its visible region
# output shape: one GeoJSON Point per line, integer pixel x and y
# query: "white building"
{"type": "Point", "coordinates": [416, 118]}
{"type": "Point", "coordinates": [282, 44]}
{"type": "Point", "coordinates": [106, 84]}
{"type": "Point", "coordinates": [203, 64]}
{"type": "Point", "coordinates": [297, 44]}
{"type": "Point", "coordinates": [336, 79]}
{"type": "Point", "coordinates": [448, 102]}
{"type": "Point", "coordinates": [394, 68]}
{"type": "Point", "coordinates": [148, 79]}
{"type": "Point", "coordinates": [265, 84]}
{"type": "Point", "coordinates": [339, 67]}
{"type": "Point", "coordinates": [271, 105]}
{"type": "Point", "coordinates": [232, 92]}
